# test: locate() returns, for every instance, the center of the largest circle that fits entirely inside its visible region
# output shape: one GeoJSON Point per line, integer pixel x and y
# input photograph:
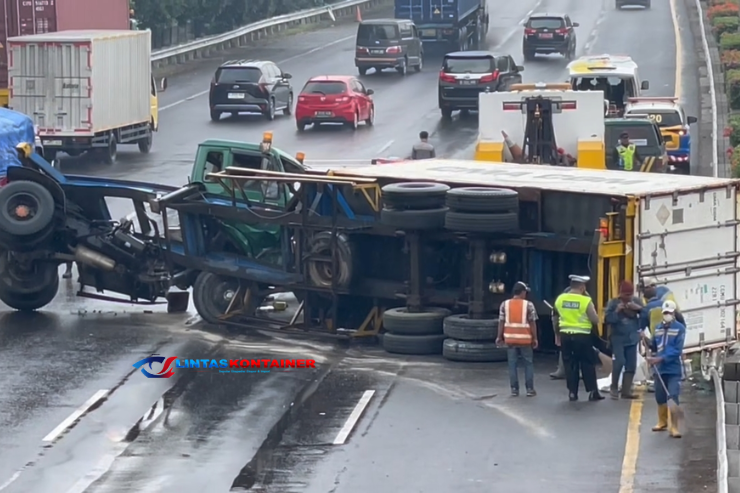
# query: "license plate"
{"type": "Point", "coordinates": [428, 33]}
{"type": "Point", "coordinates": [324, 113]}
{"type": "Point", "coordinates": [51, 142]}
{"type": "Point", "coordinates": [236, 95]}
{"type": "Point", "coordinates": [468, 82]}
{"type": "Point", "coordinates": [377, 52]}
{"type": "Point", "coordinates": [546, 35]}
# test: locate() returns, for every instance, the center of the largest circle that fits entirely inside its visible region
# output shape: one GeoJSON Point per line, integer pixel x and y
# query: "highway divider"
{"type": "Point", "coordinates": [205, 47]}
{"type": "Point", "coordinates": [708, 19]}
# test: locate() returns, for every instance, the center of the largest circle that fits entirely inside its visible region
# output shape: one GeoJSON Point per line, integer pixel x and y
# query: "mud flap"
{"type": "Point", "coordinates": [177, 301]}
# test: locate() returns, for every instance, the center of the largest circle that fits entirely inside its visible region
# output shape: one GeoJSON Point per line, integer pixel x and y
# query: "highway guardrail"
{"type": "Point", "coordinates": [715, 136]}
{"type": "Point", "coordinates": [205, 47]}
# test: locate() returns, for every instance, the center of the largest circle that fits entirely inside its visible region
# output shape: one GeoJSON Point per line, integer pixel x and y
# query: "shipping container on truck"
{"type": "Point", "coordinates": [85, 90]}
{"type": "Point", "coordinates": [459, 25]}
{"type": "Point", "coordinates": [24, 17]}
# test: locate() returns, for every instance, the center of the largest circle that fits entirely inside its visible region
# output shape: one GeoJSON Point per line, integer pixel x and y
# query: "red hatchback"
{"type": "Point", "coordinates": [334, 99]}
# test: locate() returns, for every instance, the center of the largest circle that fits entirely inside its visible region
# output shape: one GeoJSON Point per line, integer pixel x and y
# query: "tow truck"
{"type": "Point", "coordinates": [674, 125]}
{"type": "Point", "coordinates": [554, 125]}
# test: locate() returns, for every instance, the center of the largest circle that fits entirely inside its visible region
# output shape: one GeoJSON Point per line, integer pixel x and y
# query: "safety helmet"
{"type": "Point", "coordinates": [669, 306]}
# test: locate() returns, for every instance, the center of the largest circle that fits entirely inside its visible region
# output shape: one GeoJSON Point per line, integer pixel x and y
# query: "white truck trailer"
{"type": "Point", "coordinates": [85, 90]}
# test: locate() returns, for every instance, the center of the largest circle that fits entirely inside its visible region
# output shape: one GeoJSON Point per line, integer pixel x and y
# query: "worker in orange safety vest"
{"type": "Point", "coordinates": [517, 329]}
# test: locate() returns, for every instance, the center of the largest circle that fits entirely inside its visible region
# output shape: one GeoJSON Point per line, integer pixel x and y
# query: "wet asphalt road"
{"type": "Point", "coordinates": [428, 427]}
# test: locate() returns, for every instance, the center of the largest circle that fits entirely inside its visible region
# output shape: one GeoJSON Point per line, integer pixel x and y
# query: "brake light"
{"type": "Point", "coordinates": [393, 50]}
{"type": "Point", "coordinates": [529, 32]}
{"type": "Point", "coordinates": [362, 51]}
{"type": "Point", "coordinates": [344, 99]}
{"type": "Point", "coordinates": [301, 99]}
{"type": "Point", "coordinates": [446, 77]}
{"type": "Point", "coordinates": [562, 31]}
{"type": "Point", "coordinates": [490, 77]}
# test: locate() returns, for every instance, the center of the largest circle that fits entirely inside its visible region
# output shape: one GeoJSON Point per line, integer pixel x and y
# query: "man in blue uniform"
{"type": "Point", "coordinates": [667, 347]}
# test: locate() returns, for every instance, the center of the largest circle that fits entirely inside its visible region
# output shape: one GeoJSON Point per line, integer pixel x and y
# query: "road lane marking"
{"type": "Point", "coordinates": [386, 146]}
{"type": "Point", "coordinates": [10, 481]}
{"type": "Point", "coordinates": [354, 417]}
{"type": "Point", "coordinates": [286, 60]}
{"type": "Point", "coordinates": [77, 414]}
{"type": "Point", "coordinates": [679, 50]}
{"type": "Point", "coordinates": [632, 446]}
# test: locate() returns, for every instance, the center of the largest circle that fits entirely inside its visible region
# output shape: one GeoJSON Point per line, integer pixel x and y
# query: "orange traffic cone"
{"type": "Point", "coordinates": [358, 14]}
{"type": "Point", "coordinates": [516, 151]}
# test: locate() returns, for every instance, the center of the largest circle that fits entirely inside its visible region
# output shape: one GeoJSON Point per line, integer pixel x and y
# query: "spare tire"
{"type": "Point", "coordinates": [320, 272]}
{"type": "Point", "coordinates": [482, 223]}
{"type": "Point", "coordinates": [26, 208]}
{"type": "Point", "coordinates": [426, 322]}
{"type": "Point", "coordinates": [464, 328]}
{"type": "Point", "coordinates": [414, 220]}
{"type": "Point", "coordinates": [418, 345]}
{"type": "Point", "coordinates": [414, 195]}
{"type": "Point", "coordinates": [482, 199]}
{"type": "Point", "coordinates": [480, 352]}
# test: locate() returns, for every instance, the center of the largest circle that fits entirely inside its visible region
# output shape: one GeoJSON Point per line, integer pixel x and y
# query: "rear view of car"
{"type": "Point", "coordinates": [545, 34]}
{"type": "Point", "coordinates": [387, 43]}
{"type": "Point", "coordinates": [329, 99]}
{"type": "Point", "coordinates": [631, 3]}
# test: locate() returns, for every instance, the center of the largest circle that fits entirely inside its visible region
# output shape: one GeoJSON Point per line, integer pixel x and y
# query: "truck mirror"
{"type": "Point", "coordinates": [645, 85]}
{"type": "Point", "coordinates": [575, 24]}
{"type": "Point", "coordinates": [369, 92]}
{"type": "Point", "coordinates": [163, 84]}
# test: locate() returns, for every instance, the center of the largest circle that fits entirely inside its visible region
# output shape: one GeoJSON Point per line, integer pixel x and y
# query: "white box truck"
{"type": "Point", "coordinates": [85, 90]}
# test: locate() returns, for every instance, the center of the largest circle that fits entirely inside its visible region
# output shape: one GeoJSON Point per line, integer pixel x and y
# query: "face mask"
{"type": "Point", "coordinates": [667, 317]}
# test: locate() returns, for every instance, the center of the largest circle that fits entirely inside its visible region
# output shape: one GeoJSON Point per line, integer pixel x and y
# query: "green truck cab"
{"type": "Point", "coordinates": [215, 155]}
{"type": "Point", "coordinates": [646, 136]}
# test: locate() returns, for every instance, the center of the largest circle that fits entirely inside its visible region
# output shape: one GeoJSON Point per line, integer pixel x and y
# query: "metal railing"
{"type": "Point", "coordinates": [203, 47]}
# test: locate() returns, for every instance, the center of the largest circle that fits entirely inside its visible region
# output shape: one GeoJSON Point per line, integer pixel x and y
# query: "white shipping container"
{"type": "Point", "coordinates": [80, 83]}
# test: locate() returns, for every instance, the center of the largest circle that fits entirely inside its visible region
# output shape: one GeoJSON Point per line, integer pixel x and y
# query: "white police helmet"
{"type": "Point", "coordinates": [669, 306]}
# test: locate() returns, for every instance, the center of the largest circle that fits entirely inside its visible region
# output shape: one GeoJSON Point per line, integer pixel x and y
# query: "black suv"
{"type": "Point", "coordinates": [549, 33]}
{"type": "Point", "coordinates": [248, 86]}
{"type": "Point", "coordinates": [466, 74]}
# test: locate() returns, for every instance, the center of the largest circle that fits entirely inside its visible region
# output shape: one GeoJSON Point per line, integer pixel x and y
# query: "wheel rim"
{"type": "Point", "coordinates": [222, 295]}
{"type": "Point", "coordinates": [22, 207]}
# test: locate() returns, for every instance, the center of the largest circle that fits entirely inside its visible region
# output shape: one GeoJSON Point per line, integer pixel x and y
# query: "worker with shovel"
{"type": "Point", "coordinates": [667, 347]}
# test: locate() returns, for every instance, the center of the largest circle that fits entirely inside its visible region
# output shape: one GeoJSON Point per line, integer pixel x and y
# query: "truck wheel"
{"type": "Point", "coordinates": [463, 328]}
{"type": "Point", "coordinates": [413, 220]}
{"type": "Point", "coordinates": [111, 153]}
{"type": "Point", "coordinates": [401, 321]}
{"type": "Point", "coordinates": [446, 114]}
{"type": "Point", "coordinates": [145, 144]}
{"type": "Point", "coordinates": [212, 295]}
{"type": "Point", "coordinates": [478, 352]}
{"type": "Point", "coordinates": [414, 195]}
{"type": "Point", "coordinates": [50, 154]}
{"type": "Point", "coordinates": [482, 223]}
{"type": "Point", "coordinates": [416, 345]}
{"type": "Point", "coordinates": [320, 271]}
{"type": "Point", "coordinates": [27, 302]}
{"type": "Point", "coordinates": [26, 209]}
{"type": "Point", "coordinates": [482, 199]}
{"type": "Point", "coordinates": [16, 278]}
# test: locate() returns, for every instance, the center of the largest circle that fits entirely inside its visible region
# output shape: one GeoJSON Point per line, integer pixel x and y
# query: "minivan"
{"type": "Point", "coordinates": [388, 43]}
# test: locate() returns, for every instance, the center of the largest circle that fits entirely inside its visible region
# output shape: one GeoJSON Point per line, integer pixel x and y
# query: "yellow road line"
{"type": "Point", "coordinates": [631, 447]}
{"type": "Point", "coordinates": [679, 50]}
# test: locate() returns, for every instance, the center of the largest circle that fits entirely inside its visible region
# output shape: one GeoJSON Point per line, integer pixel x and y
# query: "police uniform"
{"type": "Point", "coordinates": [575, 316]}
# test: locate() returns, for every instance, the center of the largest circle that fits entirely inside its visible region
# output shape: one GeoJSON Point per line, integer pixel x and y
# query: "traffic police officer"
{"type": "Point", "coordinates": [625, 154]}
{"type": "Point", "coordinates": [574, 317]}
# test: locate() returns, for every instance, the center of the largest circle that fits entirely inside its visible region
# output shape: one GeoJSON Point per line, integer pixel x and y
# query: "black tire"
{"type": "Point", "coordinates": [215, 116]}
{"type": "Point", "coordinates": [419, 66]}
{"type": "Point", "coordinates": [529, 56]}
{"type": "Point", "coordinates": [270, 112]}
{"type": "Point", "coordinates": [319, 272]}
{"type": "Point", "coordinates": [463, 328]}
{"type": "Point", "coordinates": [400, 321]}
{"type": "Point", "coordinates": [288, 110]}
{"type": "Point", "coordinates": [300, 126]}
{"type": "Point", "coordinates": [145, 144]}
{"type": "Point", "coordinates": [731, 372]}
{"type": "Point", "coordinates": [403, 69]}
{"type": "Point", "coordinates": [446, 114]}
{"type": "Point", "coordinates": [35, 198]}
{"type": "Point", "coordinates": [15, 279]}
{"type": "Point", "coordinates": [110, 155]}
{"type": "Point", "coordinates": [482, 199]}
{"type": "Point", "coordinates": [416, 345]}
{"type": "Point", "coordinates": [482, 223]}
{"type": "Point", "coordinates": [474, 352]}
{"type": "Point", "coordinates": [414, 195]}
{"type": "Point", "coordinates": [414, 220]}
{"type": "Point", "coordinates": [209, 298]}
{"type": "Point", "coordinates": [362, 70]}
{"type": "Point", "coordinates": [50, 154]}
{"type": "Point", "coordinates": [28, 302]}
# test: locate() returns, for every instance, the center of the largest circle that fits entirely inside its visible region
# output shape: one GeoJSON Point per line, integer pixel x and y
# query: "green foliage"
{"type": "Point", "coordinates": [734, 131]}
{"type": "Point", "coordinates": [732, 79]}
{"type": "Point", "coordinates": [725, 25]}
{"type": "Point", "coordinates": [208, 17]}
{"type": "Point", "coordinates": [729, 41]}
{"type": "Point", "coordinates": [734, 153]}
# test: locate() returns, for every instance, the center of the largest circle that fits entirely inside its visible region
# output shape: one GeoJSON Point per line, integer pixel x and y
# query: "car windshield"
{"type": "Point", "coordinates": [663, 118]}
{"type": "Point", "coordinates": [325, 87]}
{"type": "Point", "coordinates": [640, 135]}
{"type": "Point", "coordinates": [376, 32]}
{"type": "Point", "coordinates": [480, 65]}
{"type": "Point", "coordinates": [546, 23]}
{"type": "Point", "coordinates": [230, 75]}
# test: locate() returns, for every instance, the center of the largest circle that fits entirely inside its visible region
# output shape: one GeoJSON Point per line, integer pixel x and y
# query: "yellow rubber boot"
{"type": "Point", "coordinates": [675, 432]}
{"type": "Point", "coordinates": [662, 418]}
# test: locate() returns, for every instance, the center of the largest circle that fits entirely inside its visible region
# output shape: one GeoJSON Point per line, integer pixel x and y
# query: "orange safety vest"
{"type": "Point", "coordinates": [516, 325]}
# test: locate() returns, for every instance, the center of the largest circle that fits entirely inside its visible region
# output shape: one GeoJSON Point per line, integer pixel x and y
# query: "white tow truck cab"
{"type": "Point", "coordinates": [615, 76]}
